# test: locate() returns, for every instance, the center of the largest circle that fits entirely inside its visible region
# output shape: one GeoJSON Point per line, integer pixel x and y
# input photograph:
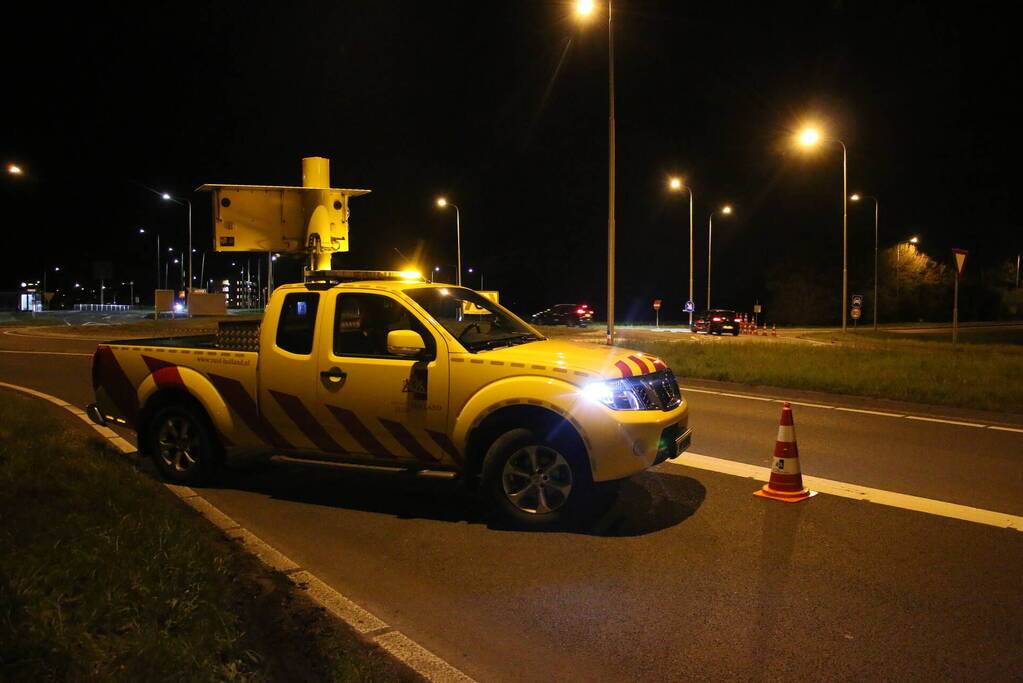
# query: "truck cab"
{"type": "Point", "coordinates": [388, 370]}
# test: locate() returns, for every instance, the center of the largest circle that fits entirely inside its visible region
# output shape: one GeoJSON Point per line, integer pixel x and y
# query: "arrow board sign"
{"type": "Point", "coordinates": [960, 257]}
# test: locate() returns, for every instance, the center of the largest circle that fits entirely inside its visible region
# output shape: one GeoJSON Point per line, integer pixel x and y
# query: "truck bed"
{"type": "Point", "coordinates": [230, 336]}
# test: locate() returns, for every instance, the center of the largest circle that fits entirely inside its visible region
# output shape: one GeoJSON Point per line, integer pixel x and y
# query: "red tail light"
{"type": "Point", "coordinates": [738, 320]}
{"type": "Point", "coordinates": [580, 310]}
{"type": "Point", "coordinates": [716, 319]}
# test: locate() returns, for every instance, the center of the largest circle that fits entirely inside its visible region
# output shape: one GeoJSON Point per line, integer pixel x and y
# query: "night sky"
{"type": "Point", "coordinates": [502, 107]}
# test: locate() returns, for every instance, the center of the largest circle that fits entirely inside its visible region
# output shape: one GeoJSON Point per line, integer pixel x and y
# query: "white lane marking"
{"type": "Point", "coordinates": [881, 413]}
{"type": "Point", "coordinates": [1006, 429]}
{"type": "Point", "coordinates": [397, 644]}
{"type": "Point", "coordinates": [846, 490]}
{"type": "Point", "coordinates": [46, 353]}
{"type": "Point", "coordinates": [870, 412]}
{"type": "Point", "coordinates": [948, 422]}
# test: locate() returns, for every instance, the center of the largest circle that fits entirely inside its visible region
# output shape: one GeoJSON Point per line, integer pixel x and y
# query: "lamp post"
{"type": "Point", "coordinates": [676, 185]}
{"type": "Point", "coordinates": [442, 202]}
{"type": "Point", "coordinates": [142, 231]}
{"type": "Point", "coordinates": [475, 270]}
{"type": "Point", "coordinates": [877, 210]}
{"type": "Point", "coordinates": [809, 138]}
{"type": "Point", "coordinates": [56, 269]}
{"type": "Point", "coordinates": [178, 200]}
{"type": "Point", "coordinates": [14, 169]}
{"type": "Point", "coordinates": [585, 8]}
{"type": "Point", "coordinates": [726, 210]}
{"type": "Point", "coordinates": [912, 240]}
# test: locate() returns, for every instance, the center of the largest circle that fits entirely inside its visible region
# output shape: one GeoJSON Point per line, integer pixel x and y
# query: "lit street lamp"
{"type": "Point", "coordinates": [178, 200]}
{"type": "Point", "coordinates": [809, 138]}
{"type": "Point", "coordinates": [442, 202]}
{"type": "Point", "coordinates": [726, 210]}
{"type": "Point", "coordinates": [877, 209]}
{"type": "Point", "coordinates": [585, 8]}
{"type": "Point", "coordinates": [676, 185]}
{"type": "Point", "coordinates": [56, 269]}
{"type": "Point", "coordinates": [473, 270]}
{"type": "Point", "coordinates": [912, 240]}
{"type": "Point", "coordinates": [14, 169]}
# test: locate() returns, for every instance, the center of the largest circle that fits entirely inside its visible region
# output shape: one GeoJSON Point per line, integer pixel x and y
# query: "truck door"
{"type": "Point", "coordinates": [375, 403]}
{"type": "Point", "coordinates": [288, 372]}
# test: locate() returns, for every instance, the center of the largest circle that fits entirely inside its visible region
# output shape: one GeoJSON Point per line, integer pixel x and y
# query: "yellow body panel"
{"type": "Point", "coordinates": [405, 411]}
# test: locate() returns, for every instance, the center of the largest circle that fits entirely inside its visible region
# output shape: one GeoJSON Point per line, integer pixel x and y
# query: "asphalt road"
{"type": "Point", "coordinates": [689, 576]}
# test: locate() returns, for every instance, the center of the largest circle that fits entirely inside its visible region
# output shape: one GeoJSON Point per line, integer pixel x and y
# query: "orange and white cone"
{"type": "Point", "coordinates": [774, 330]}
{"type": "Point", "coordinates": [786, 483]}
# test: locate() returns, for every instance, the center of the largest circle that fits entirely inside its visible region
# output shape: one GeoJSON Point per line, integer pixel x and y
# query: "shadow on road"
{"type": "Point", "coordinates": [646, 503]}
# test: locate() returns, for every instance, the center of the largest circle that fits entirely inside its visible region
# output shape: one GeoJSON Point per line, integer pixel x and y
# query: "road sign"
{"type": "Point", "coordinates": [689, 307]}
{"type": "Point", "coordinates": [960, 257]}
{"type": "Point", "coordinates": [756, 308]}
{"type": "Point", "coordinates": [657, 304]}
{"type": "Point", "coordinates": [857, 300]}
{"type": "Point", "coordinates": [856, 313]}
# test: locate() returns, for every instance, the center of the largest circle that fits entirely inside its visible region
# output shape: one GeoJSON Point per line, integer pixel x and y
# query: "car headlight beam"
{"type": "Point", "coordinates": [617, 394]}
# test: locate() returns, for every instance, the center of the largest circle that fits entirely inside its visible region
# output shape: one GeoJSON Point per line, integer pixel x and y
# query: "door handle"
{"type": "Point", "coordinates": [334, 375]}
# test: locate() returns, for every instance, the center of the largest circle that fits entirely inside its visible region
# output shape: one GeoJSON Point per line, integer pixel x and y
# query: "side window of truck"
{"type": "Point", "coordinates": [362, 321]}
{"type": "Point", "coordinates": [298, 322]}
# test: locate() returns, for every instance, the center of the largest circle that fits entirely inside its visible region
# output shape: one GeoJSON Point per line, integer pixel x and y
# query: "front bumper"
{"type": "Point", "coordinates": [622, 443]}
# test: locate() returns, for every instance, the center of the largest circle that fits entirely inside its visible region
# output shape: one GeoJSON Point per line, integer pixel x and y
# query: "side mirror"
{"type": "Point", "coordinates": [408, 343]}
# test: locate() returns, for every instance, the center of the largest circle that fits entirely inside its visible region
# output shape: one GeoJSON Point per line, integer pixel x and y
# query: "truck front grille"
{"type": "Point", "coordinates": [659, 390]}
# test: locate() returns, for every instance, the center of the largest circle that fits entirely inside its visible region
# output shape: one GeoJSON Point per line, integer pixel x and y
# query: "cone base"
{"type": "Point", "coordinates": [785, 496]}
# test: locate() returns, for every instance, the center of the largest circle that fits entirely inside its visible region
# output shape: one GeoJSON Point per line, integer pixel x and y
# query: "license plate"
{"type": "Point", "coordinates": [727, 327]}
{"type": "Point", "coordinates": [682, 442]}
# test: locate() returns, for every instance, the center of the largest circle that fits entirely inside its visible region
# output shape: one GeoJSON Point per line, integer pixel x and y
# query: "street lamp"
{"type": "Point", "coordinates": [726, 210]}
{"type": "Point", "coordinates": [14, 169]}
{"type": "Point", "coordinates": [142, 231]}
{"type": "Point", "coordinates": [178, 200]}
{"type": "Point", "coordinates": [474, 270]}
{"type": "Point", "coordinates": [584, 9]}
{"type": "Point", "coordinates": [442, 202]}
{"type": "Point", "coordinates": [676, 185]}
{"type": "Point", "coordinates": [877, 209]}
{"type": "Point", "coordinates": [912, 240]}
{"type": "Point", "coordinates": [56, 269]}
{"type": "Point", "coordinates": [809, 138]}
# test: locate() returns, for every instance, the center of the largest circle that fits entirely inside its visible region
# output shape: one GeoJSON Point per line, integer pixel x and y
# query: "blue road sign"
{"type": "Point", "coordinates": [689, 307]}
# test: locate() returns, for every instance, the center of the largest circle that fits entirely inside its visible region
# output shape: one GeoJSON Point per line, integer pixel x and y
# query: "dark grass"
{"type": "Point", "coordinates": [879, 365]}
{"type": "Point", "coordinates": [105, 575]}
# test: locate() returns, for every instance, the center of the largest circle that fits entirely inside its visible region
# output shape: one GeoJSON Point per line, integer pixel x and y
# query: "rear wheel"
{"type": "Point", "coordinates": [183, 447]}
{"type": "Point", "coordinates": [536, 482]}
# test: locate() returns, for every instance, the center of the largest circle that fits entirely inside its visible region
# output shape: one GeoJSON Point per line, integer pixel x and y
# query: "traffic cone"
{"type": "Point", "coordinates": [786, 483]}
{"type": "Point", "coordinates": [774, 330]}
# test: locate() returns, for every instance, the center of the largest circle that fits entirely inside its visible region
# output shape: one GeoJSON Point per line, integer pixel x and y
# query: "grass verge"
{"type": "Point", "coordinates": [105, 575]}
{"type": "Point", "coordinates": [980, 378]}
{"type": "Point", "coordinates": [879, 365]}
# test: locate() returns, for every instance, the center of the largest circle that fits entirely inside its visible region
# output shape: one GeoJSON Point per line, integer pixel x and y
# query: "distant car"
{"type": "Point", "coordinates": [573, 315]}
{"type": "Point", "coordinates": [717, 321]}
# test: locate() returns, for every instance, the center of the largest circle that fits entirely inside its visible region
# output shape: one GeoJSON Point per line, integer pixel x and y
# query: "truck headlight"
{"type": "Point", "coordinates": [617, 394]}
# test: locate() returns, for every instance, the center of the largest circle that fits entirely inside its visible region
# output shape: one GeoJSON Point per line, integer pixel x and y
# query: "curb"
{"type": "Point", "coordinates": [370, 628]}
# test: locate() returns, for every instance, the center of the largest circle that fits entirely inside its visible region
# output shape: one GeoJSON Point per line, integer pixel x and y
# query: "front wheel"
{"type": "Point", "coordinates": [535, 482]}
{"type": "Point", "coordinates": [182, 445]}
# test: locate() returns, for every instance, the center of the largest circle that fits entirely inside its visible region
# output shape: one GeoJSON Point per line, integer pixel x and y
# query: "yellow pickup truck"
{"type": "Point", "coordinates": [375, 368]}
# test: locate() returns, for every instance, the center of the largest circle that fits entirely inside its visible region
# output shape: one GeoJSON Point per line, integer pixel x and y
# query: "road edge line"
{"type": "Point", "coordinates": [904, 501]}
{"type": "Point", "coordinates": [366, 625]}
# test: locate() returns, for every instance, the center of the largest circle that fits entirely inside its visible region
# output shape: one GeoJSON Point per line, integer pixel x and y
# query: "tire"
{"type": "Point", "coordinates": [535, 482]}
{"type": "Point", "coordinates": [735, 333]}
{"type": "Point", "coordinates": [182, 445]}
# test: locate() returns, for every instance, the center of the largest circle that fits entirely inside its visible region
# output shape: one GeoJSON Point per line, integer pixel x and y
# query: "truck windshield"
{"type": "Point", "coordinates": [476, 322]}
